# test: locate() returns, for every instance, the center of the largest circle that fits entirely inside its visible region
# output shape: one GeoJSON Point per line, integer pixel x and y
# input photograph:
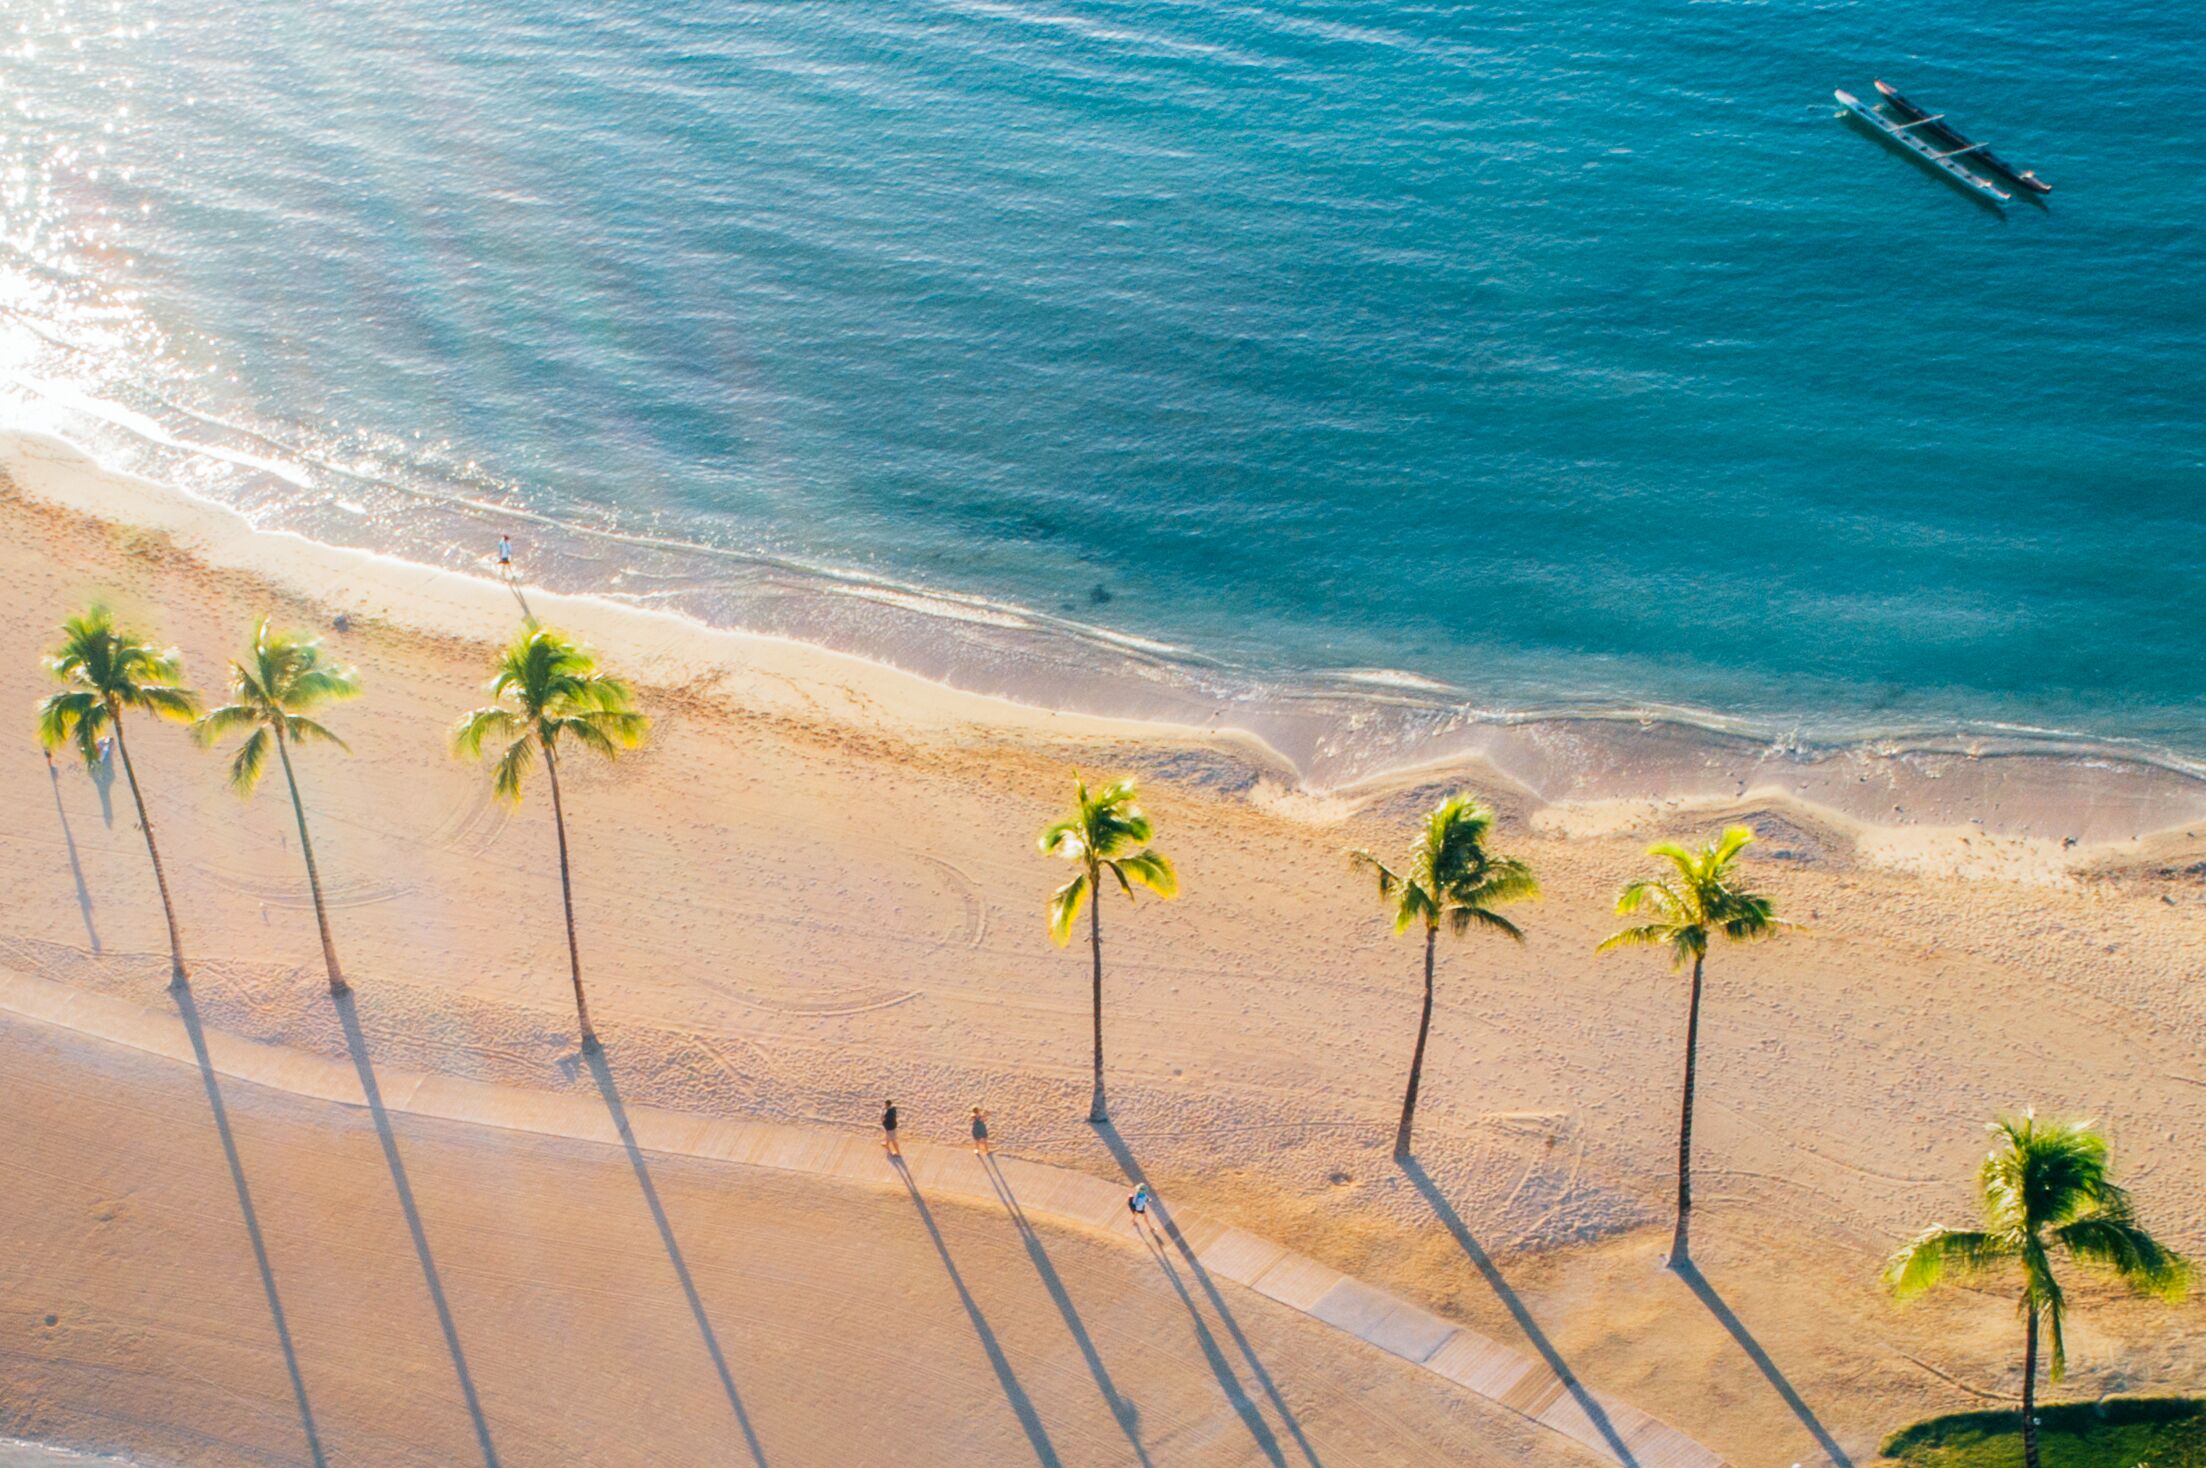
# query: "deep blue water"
{"type": "Point", "coordinates": [1564, 355]}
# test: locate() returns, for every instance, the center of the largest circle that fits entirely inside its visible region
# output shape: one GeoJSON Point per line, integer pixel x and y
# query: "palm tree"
{"type": "Point", "coordinates": [1698, 902]}
{"type": "Point", "coordinates": [549, 690]}
{"type": "Point", "coordinates": [2044, 1186]}
{"type": "Point", "coordinates": [108, 669]}
{"type": "Point", "coordinates": [1450, 878]}
{"type": "Point", "coordinates": [1100, 835]}
{"type": "Point", "coordinates": [280, 678]}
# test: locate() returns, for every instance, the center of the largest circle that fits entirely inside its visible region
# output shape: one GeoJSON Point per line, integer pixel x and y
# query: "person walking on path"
{"type": "Point", "coordinates": [981, 1145]}
{"type": "Point", "coordinates": [888, 1129]}
{"type": "Point", "coordinates": [1137, 1203]}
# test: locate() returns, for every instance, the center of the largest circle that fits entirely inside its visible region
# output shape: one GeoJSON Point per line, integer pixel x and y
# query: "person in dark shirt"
{"type": "Point", "coordinates": [888, 1129]}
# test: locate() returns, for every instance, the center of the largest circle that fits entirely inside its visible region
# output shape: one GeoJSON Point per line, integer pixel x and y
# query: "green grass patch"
{"type": "Point", "coordinates": [2120, 1432]}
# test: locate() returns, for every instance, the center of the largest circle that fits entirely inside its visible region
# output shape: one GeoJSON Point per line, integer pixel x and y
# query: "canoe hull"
{"type": "Point", "coordinates": [1952, 137]}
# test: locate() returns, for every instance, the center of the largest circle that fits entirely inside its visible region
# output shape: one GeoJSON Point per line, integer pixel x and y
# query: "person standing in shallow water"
{"type": "Point", "coordinates": [981, 1145]}
{"type": "Point", "coordinates": [888, 1129]}
{"type": "Point", "coordinates": [505, 554]}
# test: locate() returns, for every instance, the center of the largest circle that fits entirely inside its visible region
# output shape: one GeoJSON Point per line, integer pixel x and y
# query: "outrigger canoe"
{"type": "Point", "coordinates": [1909, 137]}
{"type": "Point", "coordinates": [1946, 133]}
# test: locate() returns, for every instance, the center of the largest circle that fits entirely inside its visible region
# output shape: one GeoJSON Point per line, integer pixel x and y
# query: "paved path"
{"type": "Point", "coordinates": [1614, 1431]}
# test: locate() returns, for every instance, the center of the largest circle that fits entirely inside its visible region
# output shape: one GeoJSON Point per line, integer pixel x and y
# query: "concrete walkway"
{"type": "Point", "coordinates": [1613, 1431]}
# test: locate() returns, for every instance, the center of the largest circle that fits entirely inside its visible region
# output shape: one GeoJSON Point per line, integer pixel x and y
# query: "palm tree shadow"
{"type": "Point", "coordinates": [1123, 1411]}
{"type": "Point", "coordinates": [1132, 1168]}
{"type": "Point", "coordinates": [1453, 1222]}
{"type": "Point", "coordinates": [603, 1074]}
{"type": "Point", "coordinates": [1228, 1382]}
{"type": "Point", "coordinates": [188, 1008]}
{"type": "Point", "coordinates": [102, 771]}
{"type": "Point", "coordinates": [76, 868]}
{"type": "Point", "coordinates": [1706, 1292]}
{"type": "Point", "coordinates": [357, 1043]}
{"type": "Point", "coordinates": [1022, 1406]}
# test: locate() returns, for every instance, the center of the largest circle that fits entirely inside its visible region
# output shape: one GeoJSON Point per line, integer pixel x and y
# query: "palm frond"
{"type": "Point", "coordinates": [178, 705]}
{"type": "Point", "coordinates": [2042, 1292]}
{"type": "Point", "coordinates": [1643, 893]}
{"type": "Point", "coordinates": [74, 713]}
{"type": "Point", "coordinates": [477, 725]}
{"type": "Point", "coordinates": [250, 761]}
{"type": "Point", "coordinates": [1061, 838]}
{"type": "Point", "coordinates": [316, 685]}
{"type": "Point", "coordinates": [513, 764]}
{"type": "Point", "coordinates": [1647, 935]}
{"type": "Point", "coordinates": [1462, 919]}
{"type": "Point", "coordinates": [1923, 1262]}
{"type": "Point", "coordinates": [1365, 861]}
{"type": "Point", "coordinates": [1414, 904]}
{"type": "Point", "coordinates": [302, 730]}
{"type": "Point", "coordinates": [1064, 906]}
{"type": "Point", "coordinates": [218, 723]}
{"type": "Point", "coordinates": [1151, 869]}
{"type": "Point", "coordinates": [2115, 1242]}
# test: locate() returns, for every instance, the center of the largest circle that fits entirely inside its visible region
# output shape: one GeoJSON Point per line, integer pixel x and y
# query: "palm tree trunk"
{"type": "Point", "coordinates": [1417, 1057]}
{"type": "Point", "coordinates": [1096, 1111]}
{"type": "Point", "coordinates": [2029, 1388]}
{"type": "Point", "coordinates": [177, 976]}
{"type": "Point", "coordinates": [566, 894]}
{"type": "Point", "coordinates": [1678, 1244]}
{"type": "Point", "coordinates": [337, 984]}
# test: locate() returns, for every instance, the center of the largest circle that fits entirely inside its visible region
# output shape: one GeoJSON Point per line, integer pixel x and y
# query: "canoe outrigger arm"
{"type": "Point", "coordinates": [1957, 152]}
{"type": "Point", "coordinates": [1918, 122]}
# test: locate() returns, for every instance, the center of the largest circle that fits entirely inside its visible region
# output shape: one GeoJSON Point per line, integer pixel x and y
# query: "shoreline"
{"type": "Point", "coordinates": [2068, 803]}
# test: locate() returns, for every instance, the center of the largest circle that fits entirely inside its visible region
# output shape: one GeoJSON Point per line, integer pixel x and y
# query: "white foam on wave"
{"type": "Point", "coordinates": [131, 421]}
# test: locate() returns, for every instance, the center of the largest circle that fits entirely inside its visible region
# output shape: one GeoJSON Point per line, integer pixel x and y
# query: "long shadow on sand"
{"type": "Point", "coordinates": [1228, 1381]}
{"type": "Point", "coordinates": [1706, 1292]}
{"type": "Point", "coordinates": [76, 868]}
{"type": "Point", "coordinates": [1022, 1406]}
{"type": "Point", "coordinates": [103, 780]}
{"type": "Point", "coordinates": [357, 1043]}
{"type": "Point", "coordinates": [1227, 1378]}
{"type": "Point", "coordinates": [188, 1008]}
{"type": "Point", "coordinates": [1453, 1221]}
{"type": "Point", "coordinates": [1122, 1410]}
{"type": "Point", "coordinates": [603, 1072]}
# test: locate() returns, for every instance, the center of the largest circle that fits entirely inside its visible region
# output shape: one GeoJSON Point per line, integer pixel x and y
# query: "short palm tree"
{"type": "Point", "coordinates": [272, 688]}
{"type": "Point", "coordinates": [1452, 879]}
{"type": "Point", "coordinates": [549, 691]}
{"type": "Point", "coordinates": [1698, 902]}
{"type": "Point", "coordinates": [108, 669]}
{"type": "Point", "coordinates": [1104, 832]}
{"type": "Point", "coordinates": [2043, 1187]}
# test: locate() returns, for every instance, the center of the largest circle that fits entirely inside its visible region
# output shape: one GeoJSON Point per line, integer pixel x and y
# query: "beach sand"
{"type": "Point", "coordinates": [817, 887]}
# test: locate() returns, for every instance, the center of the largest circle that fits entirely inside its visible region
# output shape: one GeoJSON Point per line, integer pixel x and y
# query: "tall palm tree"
{"type": "Point", "coordinates": [2043, 1187]}
{"type": "Point", "coordinates": [549, 690]}
{"type": "Point", "coordinates": [1699, 901]}
{"type": "Point", "coordinates": [1100, 834]}
{"type": "Point", "coordinates": [1450, 878]}
{"type": "Point", "coordinates": [108, 669]}
{"type": "Point", "coordinates": [273, 687]}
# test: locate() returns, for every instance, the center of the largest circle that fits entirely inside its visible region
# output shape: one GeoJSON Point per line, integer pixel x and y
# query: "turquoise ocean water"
{"type": "Point", "coordinates": [1474, 358]}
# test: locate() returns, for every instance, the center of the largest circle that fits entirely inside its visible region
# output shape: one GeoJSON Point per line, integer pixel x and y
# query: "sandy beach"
{"type": "Point", "coordinates": [817, 887]}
